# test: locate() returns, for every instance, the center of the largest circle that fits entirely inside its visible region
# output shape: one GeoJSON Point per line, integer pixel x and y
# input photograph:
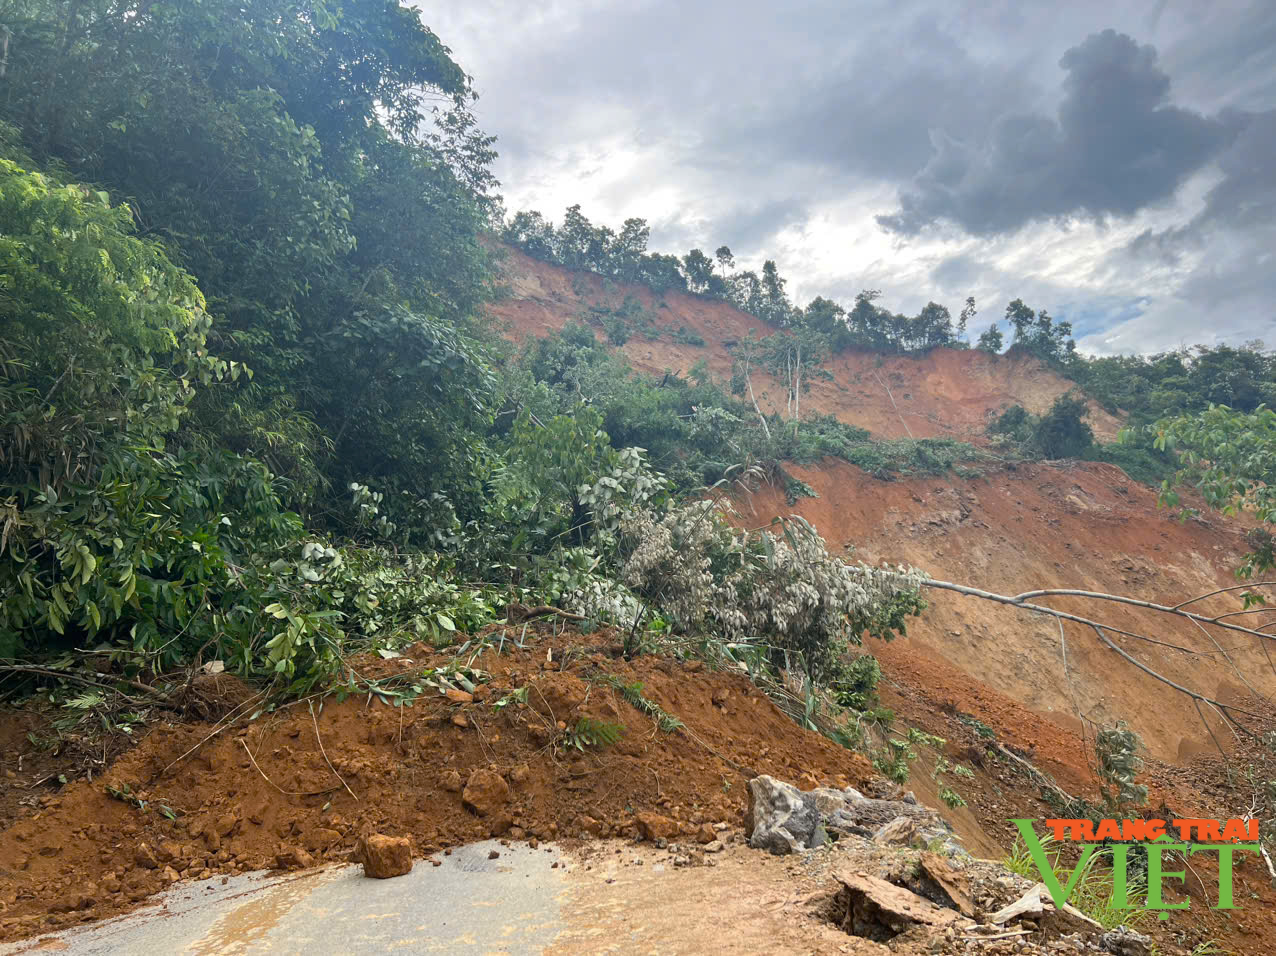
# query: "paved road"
{"type": "Point", "coordinates": [469, 904]}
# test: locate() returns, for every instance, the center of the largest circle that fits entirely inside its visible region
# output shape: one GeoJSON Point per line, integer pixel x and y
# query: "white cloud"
{"type": "Point", "coordinates": [783, 130]}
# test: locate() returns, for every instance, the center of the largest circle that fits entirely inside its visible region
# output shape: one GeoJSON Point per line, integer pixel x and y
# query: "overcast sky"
{"type": "Point", "coordinates": [1112, 162]}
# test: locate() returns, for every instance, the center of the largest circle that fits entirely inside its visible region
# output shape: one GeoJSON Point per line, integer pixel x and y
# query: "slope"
{"type": "Point", "coordinates": [946, 393]}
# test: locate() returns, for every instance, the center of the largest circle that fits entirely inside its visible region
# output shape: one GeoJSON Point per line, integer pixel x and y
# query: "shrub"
{"type": "Point", "coordinates": [1061, 433]}
{"type": "Point", "coordinates": [783, 592]}
{"type": "Point", "coordinates": [685, 336]}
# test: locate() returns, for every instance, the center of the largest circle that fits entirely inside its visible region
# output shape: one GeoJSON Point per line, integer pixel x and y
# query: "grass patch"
{"type": "Point", "coordinates": [1095, 892]}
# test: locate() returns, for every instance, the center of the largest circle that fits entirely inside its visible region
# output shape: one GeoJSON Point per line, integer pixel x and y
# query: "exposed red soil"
{"type": "Point", "coordinates": [80, 856]}
{"type": "Point", "coordinates": [945, 393]}
{"type": "Point", "coordinates": [1082, 525]}
{"type": "Point", "coordinates": [1078, 525]}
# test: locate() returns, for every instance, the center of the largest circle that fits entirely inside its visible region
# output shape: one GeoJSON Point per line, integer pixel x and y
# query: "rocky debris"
{"type": "Point", "coordinates": [655, 827]}
{"type": "Point", "coordinates": [295, 858]}
{"type": "Point", "coordinates": [384, 856]}
{"type": "Point", "coordinates": [875, 909]}
{"type": "Point", "coordinates": [783, 819]}
{"type": "Point", "coordinates": [486, 793]}
{"type": "Point", "coordinates": [450, 781]}
{"type": "Point", "coordinates": [950, 881]}
{"type": "Point", "coordinates": [145, 856]}
{"type": "Point", "coordinates": [902, 831]}
{"type": "Point", "coordinates": [705, 833]}
{"type": "Point", "coordinates": [1126, 942]}
{"type": "Point", "coordinates": [1037, 905]}
{"type": "Point", "coordinates": [894, 886]}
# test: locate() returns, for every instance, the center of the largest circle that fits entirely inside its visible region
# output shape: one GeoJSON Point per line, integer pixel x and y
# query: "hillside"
{"type": "Point", "coordinates": [946, 393]}
{"type": "Point", "coordinates": [1080, 525]}
{"type": "Point", "coordinates": [323, 553]}
{"type": "Point", "coordinates": [1008, 528]}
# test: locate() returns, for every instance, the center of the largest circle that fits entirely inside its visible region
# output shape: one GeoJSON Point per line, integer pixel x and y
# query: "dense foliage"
{"type": "Point", "coordinates": [1063, 433]}
{"type": "Point", "coordinates": [1149, 387]}
{"type": "Point", "coordinates": [248, 410]}
{"type": "Point", "coordinates": [1229, 456]}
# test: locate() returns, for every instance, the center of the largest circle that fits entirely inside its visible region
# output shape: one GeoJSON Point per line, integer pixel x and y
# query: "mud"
{"type": "Point", "coordinates": [273, 792]}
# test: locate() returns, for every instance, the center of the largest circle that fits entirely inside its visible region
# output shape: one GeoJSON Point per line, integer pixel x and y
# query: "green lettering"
{"type": "Point", "coordinates": [1225, 850]}
{"type": "Point", "coordinates": [1037, 852]}
{"type": "Point", "coordinates": [1156, 874]}
{"type": "Point", "coordinates": [1120, 888]}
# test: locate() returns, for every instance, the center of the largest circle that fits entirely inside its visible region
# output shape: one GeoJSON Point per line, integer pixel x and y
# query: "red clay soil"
{"type": "Point", "coordinates": [945, 393]}
{"type": "Point", "coordinates": [1080, 525]}
{"type": "Point", "coordinates": [264, 795]}
{"type": "Point", "coordinates": [1075, 525]}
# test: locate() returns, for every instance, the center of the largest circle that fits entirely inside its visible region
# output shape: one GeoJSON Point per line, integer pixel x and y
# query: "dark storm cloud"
{"type": "Point", "coordinates": [1115, 147]}
{"type": "Point", "coordinates": [1243, 201]}
{"type": "Point", "coordinates": [867, 111]}
{"type": "Point", "coordinates": [1246, 195]}
{"type": "Point", "coordinates": [780, 129]}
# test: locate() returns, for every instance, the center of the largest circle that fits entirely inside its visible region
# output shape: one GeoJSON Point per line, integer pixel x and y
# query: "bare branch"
{"type": "Point", "coordinates": [1135, 602]}
{"type": "Point", "coordinates": [1102, 630]}
{"type": "Point", "coordinates": [1064, 615]}
{"type": "Point", "coordinates": [1235, 587]}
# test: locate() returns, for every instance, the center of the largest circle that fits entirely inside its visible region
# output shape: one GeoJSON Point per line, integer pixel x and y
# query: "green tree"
{"type": "Point", "coordinates": [699, 271]}
{"type": "Point", "coordinates": [990, 340]}
{"type": "Point", "coordinates": [1230, 458]}
{"type": "Point", "coordinates": [1020, 318]}
{"type": "Point", "coordinates": [776, 307]}
{"type": "Point", "coordinates": [1061, 432]}
{"type": "Point", "coordinates": [829, 319]}
{"type": "Point", "coordinates": [312, 165]}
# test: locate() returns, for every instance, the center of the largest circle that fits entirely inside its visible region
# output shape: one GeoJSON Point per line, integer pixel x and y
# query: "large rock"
{"type": "Point", "coordinates": [781, 818]}
{"type": "Point", "coordinates": [950, 881]}
{"type": "Point", "coordinates": [385, 856]}
{"type": "Point", "coordinates": [902, 831]}
{"type": "Point", "coordinates": [875, 909]}
{"type": "Point", "coordinates": [486, 793]}
{"type": "Point", "coordinates": [1126, 942]}
{"type": "Point", "coordinates": [1037, 905]}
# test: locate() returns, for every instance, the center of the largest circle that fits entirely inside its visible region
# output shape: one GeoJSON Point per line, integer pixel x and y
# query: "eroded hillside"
{"type": "Point", "coordinates": [1081, 525]}
{"type": "Point", "coordinates": [946, 393]}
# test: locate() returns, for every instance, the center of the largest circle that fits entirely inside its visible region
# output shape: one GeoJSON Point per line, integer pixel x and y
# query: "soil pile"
{"type": "Point", "coordinates": [522, 757]}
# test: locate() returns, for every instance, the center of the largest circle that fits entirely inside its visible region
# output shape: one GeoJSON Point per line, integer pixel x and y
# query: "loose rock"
{"type": "Point", "coordinates": [384, 856]}
{"type": "Point", "coordinates": [486, 793]}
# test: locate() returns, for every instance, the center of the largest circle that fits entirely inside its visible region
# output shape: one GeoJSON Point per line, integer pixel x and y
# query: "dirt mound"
{"type": "Point", "coordinates": [945, 393]}
{"type": "Point", "coordinates": [302, 785]}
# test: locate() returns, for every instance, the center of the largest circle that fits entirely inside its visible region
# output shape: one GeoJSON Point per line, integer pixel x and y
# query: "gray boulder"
{"type": "Point", "coordinates": [781, 818]}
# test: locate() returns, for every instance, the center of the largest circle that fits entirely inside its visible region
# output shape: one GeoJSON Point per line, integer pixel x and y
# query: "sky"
{"type": "Point", "coordinates": [1111, 162]}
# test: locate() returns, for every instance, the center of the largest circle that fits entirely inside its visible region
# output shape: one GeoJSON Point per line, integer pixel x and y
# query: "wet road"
{"type": "Point", "coordinates": [468, 904]}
